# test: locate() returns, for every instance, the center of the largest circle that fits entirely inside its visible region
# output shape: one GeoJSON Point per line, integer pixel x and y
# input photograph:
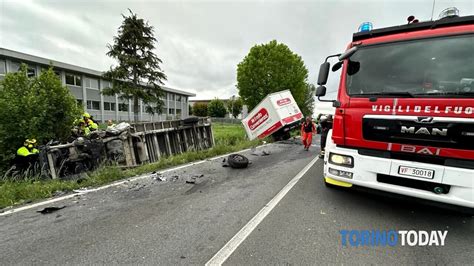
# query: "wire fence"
{"type": "Point", "coordinates": [222, 120]}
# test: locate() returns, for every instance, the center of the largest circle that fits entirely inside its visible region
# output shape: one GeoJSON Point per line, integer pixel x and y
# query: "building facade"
{"type": "Point", "coordinates": [86, 85]}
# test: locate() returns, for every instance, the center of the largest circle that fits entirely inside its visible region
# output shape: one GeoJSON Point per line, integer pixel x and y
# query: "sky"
{"type": "Point", "coordinates": [201, 42]}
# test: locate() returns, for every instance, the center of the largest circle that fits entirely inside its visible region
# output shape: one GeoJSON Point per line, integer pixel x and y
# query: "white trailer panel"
{"type": "Point", "coordinates": [275, 111]}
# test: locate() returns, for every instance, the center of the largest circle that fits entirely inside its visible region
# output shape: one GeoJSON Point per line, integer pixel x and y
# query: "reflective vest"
{"type": "Point", "coordinates": [91, 125]}
{"type": "Point", "coordinates": [24, 151]}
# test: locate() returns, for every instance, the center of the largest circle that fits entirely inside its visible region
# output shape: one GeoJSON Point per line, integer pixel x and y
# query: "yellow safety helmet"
{"type": "Point", "coordinates": [30, 143]}
{"type": "Point", "coordinates": [86, 115]}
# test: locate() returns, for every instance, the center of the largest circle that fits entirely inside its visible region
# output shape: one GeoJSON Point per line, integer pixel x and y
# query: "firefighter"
{"type": "Point", "coordinates": [26, 156]}
{"type": "Point", "coordinates": [89, 122]}
{"type": "Point", "coordinates": [308, 129]}
{"type": "Point", "coordinates": [326, 125]}
{"type": "Point", "coordinates": [110, 124]}
{"type": "Point", "coordinates": [28, 148]}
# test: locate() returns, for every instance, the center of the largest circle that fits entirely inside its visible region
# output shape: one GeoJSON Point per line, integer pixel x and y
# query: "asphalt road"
{"type": "Point", "coordinates": [172, 222]}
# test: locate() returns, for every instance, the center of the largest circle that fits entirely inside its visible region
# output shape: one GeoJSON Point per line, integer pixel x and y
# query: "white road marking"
{"type": "Point", "coordinates": [82, 192]}
{"type": "Point", "coordinates": [224, 253]}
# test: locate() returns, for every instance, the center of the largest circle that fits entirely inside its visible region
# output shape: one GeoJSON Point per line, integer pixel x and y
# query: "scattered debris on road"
{"type": "Point", "coordinates": [49, 210]}
{"type": "Point", "coordinates": [224, 163]}
{"type": "Point", "coordinates": [157, 176]}
{"type": "Point", "coordinates": [264, 152]}
{"type": "Point", "coordinates": [59, 193]}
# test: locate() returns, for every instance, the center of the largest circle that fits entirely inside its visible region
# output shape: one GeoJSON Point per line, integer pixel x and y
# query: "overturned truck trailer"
{"type": "Point", "coordinates": [141, 143]}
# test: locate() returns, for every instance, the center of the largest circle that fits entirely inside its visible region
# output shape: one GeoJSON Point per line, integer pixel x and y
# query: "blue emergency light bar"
{"type": "Point", "coordinates": [366, 26]}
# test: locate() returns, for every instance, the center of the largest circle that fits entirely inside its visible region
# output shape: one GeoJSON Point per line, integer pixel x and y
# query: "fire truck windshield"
{"type": "Point", "coordinates": [437, 67]}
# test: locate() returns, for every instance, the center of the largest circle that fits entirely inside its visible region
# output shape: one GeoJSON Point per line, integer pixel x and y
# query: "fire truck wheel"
{"type": "Point", "coordinates": [237, 161]}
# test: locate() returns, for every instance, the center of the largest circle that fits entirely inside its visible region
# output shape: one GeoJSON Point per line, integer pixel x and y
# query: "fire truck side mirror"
{"type": "Point", "coordinates": [323, 73]}
{"type": "Point", "coordinates": [336, 66]}
{"type": "Point", "coordinates": [320, 91]}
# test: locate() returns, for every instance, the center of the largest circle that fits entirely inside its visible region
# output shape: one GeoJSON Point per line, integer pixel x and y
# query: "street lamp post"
{"type": "Point", "coordinates": [232, 106]}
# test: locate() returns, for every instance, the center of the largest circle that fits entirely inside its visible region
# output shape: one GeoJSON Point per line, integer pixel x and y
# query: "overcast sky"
{"type": "Point", "coordinates": [201, 42]}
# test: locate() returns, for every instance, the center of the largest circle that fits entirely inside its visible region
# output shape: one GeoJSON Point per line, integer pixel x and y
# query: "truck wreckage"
{"type": "Point", "coordinates": [125, 145]}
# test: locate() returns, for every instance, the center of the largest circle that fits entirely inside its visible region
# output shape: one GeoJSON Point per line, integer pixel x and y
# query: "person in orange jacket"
{"type": "Point", "coordinates": [308, 129]}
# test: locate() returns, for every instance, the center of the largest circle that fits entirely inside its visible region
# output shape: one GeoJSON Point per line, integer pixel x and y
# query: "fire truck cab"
{"type": "Point", "coordinates": [404, 120]}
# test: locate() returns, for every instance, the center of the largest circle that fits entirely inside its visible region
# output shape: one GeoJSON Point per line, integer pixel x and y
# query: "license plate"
{"type": "Point", "coordinates": [416, 172]}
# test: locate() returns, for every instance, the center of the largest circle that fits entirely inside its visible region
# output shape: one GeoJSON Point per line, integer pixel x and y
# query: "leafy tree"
{"type": "Point", "coordinates": [307, 108]}
{"type": "Point", "coordinates": [39, 107]}
{"type": "Point", "coordinates": [270, 68]}
{"type": "Point", "coordinates": [234, 107]}
{"type": "Point", "coordinates": [200, 109]}
{"type": "Point", "coordinates": [138, 75]}
{"type": "Point", "coordinates": [190, 112]}
{"type": "Point", "coordinates": [216, 108]}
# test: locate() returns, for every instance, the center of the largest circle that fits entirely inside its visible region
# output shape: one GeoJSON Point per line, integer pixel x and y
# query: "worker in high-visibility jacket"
{"type": "Point", "coordinates": [28, 148]}
{"type": "Point", "coordinates": [308, 129]}
{"type": "Point", "coordinates": [89, 122]}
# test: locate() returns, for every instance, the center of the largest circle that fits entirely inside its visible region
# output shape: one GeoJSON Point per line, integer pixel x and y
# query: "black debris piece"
{"type": "Point", "coordinates": [49, 210]}
{"type": "Point", "coordinates": [192, 181]}
{"type": "Point", "coordinates": [265, 153]}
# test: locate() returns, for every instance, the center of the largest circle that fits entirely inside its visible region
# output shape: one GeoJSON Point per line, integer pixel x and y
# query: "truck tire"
{"type": "Point", "coordinates": [237, 161]}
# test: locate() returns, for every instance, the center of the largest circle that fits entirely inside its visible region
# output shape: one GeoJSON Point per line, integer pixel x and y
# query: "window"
{"type": "Point", "coordinates": [435, 66]}
{"type": "Point", "coordinates": [123, 107]}
{"type": "Point", "coordinates": [93, 105]}
{"type": "Point", "coordinates": [3, 67]}
{"type": "Point", "coordinates": [172, 97]}
{"type": "Point", "coordinates": [109, 106]}
{"type": "Point", "coordinates": [171, 111]}
{"type": "Point", "coordinates": [178, 111]}
{"type": "Point", "coordinates": [106, 84]}
{"type": "Point", "coordinates": [91, 83]}
{"type": "Point", "coordinates": [178, 98]}
{"type": "Point", "coordinates": [79, 103]}
{"type": "Point", "coordinates": [31, 72]}
{"type": "Point", "coordinates": [74, 80]}
{"type": "Point", "coordinates": [15, 66]}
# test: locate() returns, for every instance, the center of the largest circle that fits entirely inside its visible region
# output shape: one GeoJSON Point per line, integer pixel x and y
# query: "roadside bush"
{"type": "Point", "coordinates": [216, 108]}
{"type": "Point", "coordinates": [200, 109]}
{"type": "Point", "coordinates": [39, 107]}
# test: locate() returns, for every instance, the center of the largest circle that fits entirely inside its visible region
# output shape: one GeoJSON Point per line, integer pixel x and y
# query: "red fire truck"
{"type": "Point", "coordinates": [404, 119]}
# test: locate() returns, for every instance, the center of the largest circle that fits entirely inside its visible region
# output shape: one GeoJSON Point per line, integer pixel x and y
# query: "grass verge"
{"type": "Point", "coordinates": [228, 138]}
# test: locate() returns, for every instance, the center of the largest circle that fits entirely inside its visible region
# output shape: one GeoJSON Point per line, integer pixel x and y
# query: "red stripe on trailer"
{"type": "Point", "coordinates": [292, 118]}
{"type": "Point", "coordinates": [270, 130]}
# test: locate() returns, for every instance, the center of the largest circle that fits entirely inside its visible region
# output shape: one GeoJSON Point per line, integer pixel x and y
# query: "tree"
{"type": "Point", "coordinates": [200, 109]}
{"type": "Point", "coordinates": [270, 68]}
{"type": "Point", "coordinates": [39, 107]}
{"type": "Point", "coordinates": [190, 110]}
{"type": "Point", "coordinates": [216, 108]}
{"type": "Point", "coordinates": [234, 107]}
{"type": "Point", "coordinates": [138, 75]}
{"type": "Point", "coordinates": [307, 108]}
